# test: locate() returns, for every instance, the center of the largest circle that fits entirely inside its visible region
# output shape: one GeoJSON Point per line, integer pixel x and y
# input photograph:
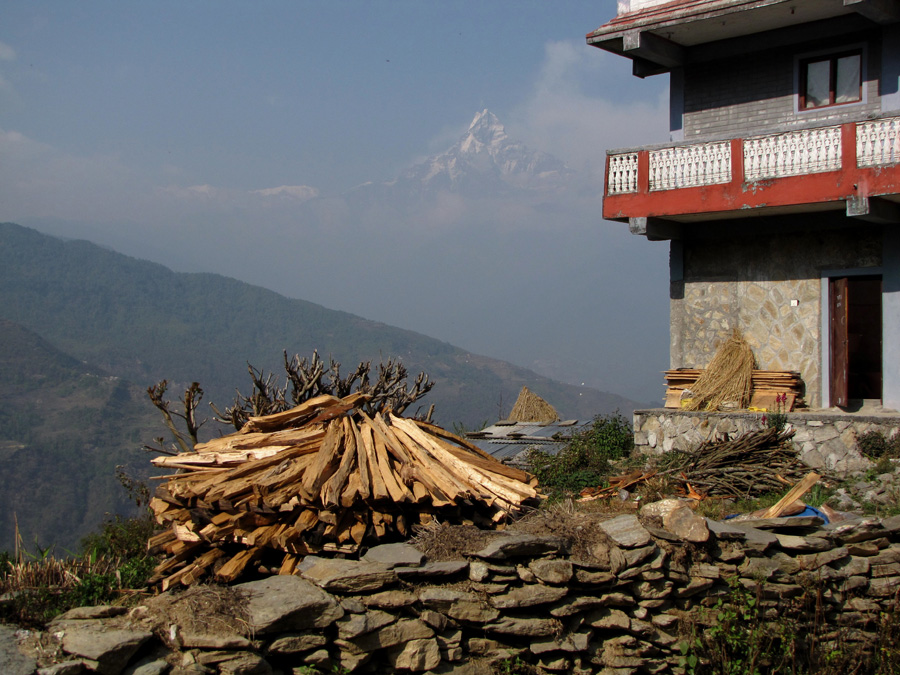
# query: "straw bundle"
{"type": "Point", "coordinates": [727, 378]}
{"type": "Point", "coordinates": [530, 407]}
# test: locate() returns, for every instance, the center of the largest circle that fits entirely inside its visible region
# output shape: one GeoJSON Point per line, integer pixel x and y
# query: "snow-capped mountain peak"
{"type": "Point", "coordinates": [484, 133]}
{"type": "Point", "coordinates": [486, 159]}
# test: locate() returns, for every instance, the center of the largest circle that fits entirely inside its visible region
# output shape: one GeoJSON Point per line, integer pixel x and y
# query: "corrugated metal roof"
{"type": "Point", "coordinates": [507, 440]}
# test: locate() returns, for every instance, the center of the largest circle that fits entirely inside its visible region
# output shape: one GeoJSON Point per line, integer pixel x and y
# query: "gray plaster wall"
{"type": "Point", "coordinates": [749, 282]}
{"type": "Point", "coordinates": [757, 93]}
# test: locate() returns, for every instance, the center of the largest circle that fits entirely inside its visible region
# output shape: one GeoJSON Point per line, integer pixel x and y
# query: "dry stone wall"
{"type": "Point", "coordinates": [521, 596]}
{"type": "Point", "coordinates": [824, 440]}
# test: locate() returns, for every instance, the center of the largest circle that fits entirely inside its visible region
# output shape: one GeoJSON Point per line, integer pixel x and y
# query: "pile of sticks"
{"type": "Point", "coordinates": [321, 477]}
{"type": "Point", "coordinates": [757, 463]}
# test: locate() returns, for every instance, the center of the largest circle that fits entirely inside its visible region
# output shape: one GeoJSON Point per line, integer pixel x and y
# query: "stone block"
{"type": "Point", "coordinates": [626, 531]}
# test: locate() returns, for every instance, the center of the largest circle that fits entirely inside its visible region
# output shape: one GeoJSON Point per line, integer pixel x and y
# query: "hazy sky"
{"type": "Point", "coordinates": [162, 129]}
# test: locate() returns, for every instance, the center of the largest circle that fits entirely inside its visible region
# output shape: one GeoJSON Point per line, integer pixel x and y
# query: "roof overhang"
{"type": "Point", "coordinates": [656, 36]}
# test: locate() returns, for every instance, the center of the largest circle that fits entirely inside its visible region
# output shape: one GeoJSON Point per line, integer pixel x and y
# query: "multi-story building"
{"type": "Point", "coordinates": [779, 191]}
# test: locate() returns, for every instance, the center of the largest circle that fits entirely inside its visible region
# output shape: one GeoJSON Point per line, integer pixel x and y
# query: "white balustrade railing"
{"type": "Point", "coordinates": [690, 166]}
{"type": "Point", "coordinates": [878, 142]}
{"type": "Point", "coordinates": [623, 171]}
{"type": "Point", "coordinates": [792, 154]}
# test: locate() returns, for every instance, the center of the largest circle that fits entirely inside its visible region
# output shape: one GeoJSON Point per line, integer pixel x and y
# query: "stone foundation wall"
{"type": "Point", "coordinates": [618, 611]}
{"type": "Point", "coordinates": [824, 440]}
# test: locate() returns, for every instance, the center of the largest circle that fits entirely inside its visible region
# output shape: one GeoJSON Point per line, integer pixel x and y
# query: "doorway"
{"type": "Point", "coordinates": [855, 338]}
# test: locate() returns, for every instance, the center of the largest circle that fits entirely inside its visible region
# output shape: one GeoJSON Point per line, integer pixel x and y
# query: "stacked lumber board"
{"type": "Point", "coordinates": [768, 387]}
{"type": "Point", "coordinates": [321, 477]}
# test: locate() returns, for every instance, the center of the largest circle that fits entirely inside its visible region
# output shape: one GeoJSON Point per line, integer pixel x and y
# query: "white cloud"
{"type": "Point", "coordinates": [295, 192]}
{"type": "Point", "coordinates": [7, 53]}
{"type": "Point", "coordinates": [583, 103]}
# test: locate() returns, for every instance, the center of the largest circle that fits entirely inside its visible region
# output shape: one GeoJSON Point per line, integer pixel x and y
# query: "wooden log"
{"type": "Point", "coordinates": [288, 564]}
{"type": "Point", "coordinates": [327, 459]}
{"type": "Point", "coordinates": [352, 492]}
{"type": "Point", "coordinates": [362, 463]}
{"type": "Point", "coordinates": [306, 520]}
{"type": "Point", "coordinates": [235, 566]}
{"type": "Point", "coordinates": [444, 486]}
{"type": "Point", "coordinates": [476, 478]}
{"type": "Point", "coordinates": [792, 495]}
{"type": "Point", "coordinates": [295, 415]}
{"type": "Point", "coordinates": [333, 487]}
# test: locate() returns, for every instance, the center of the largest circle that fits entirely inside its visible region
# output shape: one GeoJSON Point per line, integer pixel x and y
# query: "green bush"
{"type": "Point", "coordinates": [875, 445]}
{"type": "Point", "coordinates": [585, 460]}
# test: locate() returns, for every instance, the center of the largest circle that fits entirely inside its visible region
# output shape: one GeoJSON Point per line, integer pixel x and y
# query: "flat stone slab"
{"type": "Point", "coordinates": [436, 569]}
{"type": "Point", "coordinates": [793, 542]}
{"type": "Point", "coordinates": [856, 530]}
{"type": "Point", "coordinates": [626, 531]}
{"type": "Point", "coordinates": [395, 634]}
{"type": "Point", "coordinates": [349, 576]}
{"type": "Point", "coordinates": [725, 530]}
{"type": "Point", "coordinates": [528, 596]}
{"type": "Point", "coordinates": [509, 545]}
{"type": "Point", "coordinates": [789, 523]}
{"type": "Point", "coordinates": [288, 603]}
{"type": "Point", "coordinates": [524, 627]}
{"type": "Point", "coordinates": [94, 612]}
{"type": "Point", "coordinates": [458, 604]}
{"type": "Point", "coordinates": [395, 555]}
{"type": "Point", "coordinates": [757, 540]}
{"type": "Point", "coordinates": [12, 661]}
{"type": "Point", "coordinates": [296, 643]}
{"type": "Point", "coordinates": [111, 648]}
{"type": "Point", "coordinates": [210, 641]}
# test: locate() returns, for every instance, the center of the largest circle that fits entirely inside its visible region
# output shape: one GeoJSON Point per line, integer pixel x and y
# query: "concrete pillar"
{"type": "Point", "coordinates": [890, 309]}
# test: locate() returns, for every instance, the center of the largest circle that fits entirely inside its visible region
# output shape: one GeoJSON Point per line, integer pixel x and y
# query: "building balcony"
{"type": "Point", "coordinates": [853, 166]}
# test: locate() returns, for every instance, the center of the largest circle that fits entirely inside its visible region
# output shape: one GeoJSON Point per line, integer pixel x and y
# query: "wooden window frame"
{"type": "Point", "coordinates": [832, 77]}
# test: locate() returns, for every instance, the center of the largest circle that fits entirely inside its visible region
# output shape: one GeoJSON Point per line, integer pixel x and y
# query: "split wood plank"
{"type": "Point", "coordinates": [792, 495]}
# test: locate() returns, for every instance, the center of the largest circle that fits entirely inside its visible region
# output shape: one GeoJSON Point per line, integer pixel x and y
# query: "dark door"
{"type": "Point", "coordinates": [856, 365]}
{"type": "Point", "coordinates": [839, 341]}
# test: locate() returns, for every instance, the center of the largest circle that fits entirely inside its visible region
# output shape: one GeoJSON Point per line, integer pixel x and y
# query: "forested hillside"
{"type": "Point", "coordinates": [64, 427]}
{"type": "Point", "coordinates": [143, 322]}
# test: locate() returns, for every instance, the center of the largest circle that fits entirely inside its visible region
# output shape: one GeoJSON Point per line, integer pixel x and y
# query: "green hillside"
{"type": "Point", "coordinates": [64, 427]}
{"type": "Point", "coordinates": [143, 322]}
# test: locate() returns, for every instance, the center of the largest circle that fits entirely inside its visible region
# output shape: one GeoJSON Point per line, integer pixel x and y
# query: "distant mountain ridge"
{"type": "Point", "coordinates": [143, 322]}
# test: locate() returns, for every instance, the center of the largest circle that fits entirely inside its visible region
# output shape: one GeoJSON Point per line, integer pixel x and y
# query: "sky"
{"type": "Point", "coordinates": [222, 137]}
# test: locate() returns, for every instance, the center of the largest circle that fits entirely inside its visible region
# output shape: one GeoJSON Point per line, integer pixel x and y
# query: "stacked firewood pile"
{"type": "Point", "coordinates": [324, 476]}
{"type": "Point", "coordinates": [767, 388]}
{"type": "Point", "coordinates": [751, 465]}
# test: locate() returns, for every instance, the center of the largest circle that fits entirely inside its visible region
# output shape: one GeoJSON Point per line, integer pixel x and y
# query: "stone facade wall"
{"type": "Point", "coordinates": [755, 94]}
{"type": "Point", "coordinates": [749, 283]}
{"type": "Point", "coordinates": [824, 440]}
{"type": "Point", "coordinates": [618, 611]}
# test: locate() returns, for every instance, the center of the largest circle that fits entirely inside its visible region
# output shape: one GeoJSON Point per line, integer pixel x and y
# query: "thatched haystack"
{"type": "Point", "coordinates": [530, 407]}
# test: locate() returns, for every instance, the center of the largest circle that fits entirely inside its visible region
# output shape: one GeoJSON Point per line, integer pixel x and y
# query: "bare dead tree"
{"type": "Point", "coordinates": [306, 379]}
{"type": "Point", "coordinates": [186, 439]}
{"type": "Point", "coordinates": [305, 376]}
{"type": "Point", "coordinates": [265, 398]}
